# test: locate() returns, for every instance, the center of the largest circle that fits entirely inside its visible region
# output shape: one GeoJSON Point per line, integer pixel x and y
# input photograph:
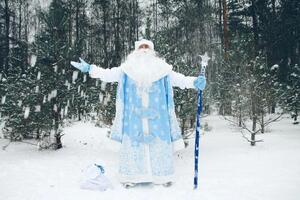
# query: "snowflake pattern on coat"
{"type": "Point", "coordinates": [162, 125]}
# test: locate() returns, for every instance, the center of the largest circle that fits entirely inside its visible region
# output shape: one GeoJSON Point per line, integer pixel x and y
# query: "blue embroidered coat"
{"type": "Point", "coordinates": [145, 125]}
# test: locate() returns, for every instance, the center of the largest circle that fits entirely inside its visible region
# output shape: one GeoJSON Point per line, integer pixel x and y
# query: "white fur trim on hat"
{"type": "Point", "coordinates": [137, 44]}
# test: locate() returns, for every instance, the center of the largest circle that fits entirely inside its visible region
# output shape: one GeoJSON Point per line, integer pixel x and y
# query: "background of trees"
{"type": "Point", "coordinates": [254, 45]}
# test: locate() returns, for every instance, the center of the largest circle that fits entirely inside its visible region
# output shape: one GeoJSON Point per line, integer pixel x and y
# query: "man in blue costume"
{"type": "Point", "coordinates": [145, 124]}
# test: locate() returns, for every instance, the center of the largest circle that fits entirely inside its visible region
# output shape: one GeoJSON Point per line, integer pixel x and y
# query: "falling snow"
{"type": "Point", "coordinates": [3, 99]}
{"type": "Point", "coordinates": [55, 107]}
{"type": "Point", "coordinates": [37, 108]}
{"type": "Point", "coordinates": [26, 112]}
{"type": "Point", "coordinates": [75, 76]}
{"type": "Point", "coordinates": [32, 60]}
{"type": "Point", "coordinates": [38, 76]}
{"type": "Point", "coordinates": [36, 89]}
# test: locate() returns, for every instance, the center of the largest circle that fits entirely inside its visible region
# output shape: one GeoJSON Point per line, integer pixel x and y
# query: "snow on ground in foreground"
{"type": "Point", "coordinates": [229, 167]}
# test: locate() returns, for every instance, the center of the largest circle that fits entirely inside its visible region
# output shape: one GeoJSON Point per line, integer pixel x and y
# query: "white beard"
{"type": "Point", "coordinates": [144, 67]}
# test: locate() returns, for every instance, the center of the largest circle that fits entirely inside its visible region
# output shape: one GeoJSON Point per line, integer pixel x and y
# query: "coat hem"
{"type": "Point", "coordinates": [146, 179]}
{"type": "Point", "coordinates": [113, 145]}
{"type": "Point", "coordinates": [178, 145]}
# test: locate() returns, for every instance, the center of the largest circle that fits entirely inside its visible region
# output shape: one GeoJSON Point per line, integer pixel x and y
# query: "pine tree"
{"type": "Point", "coordinates": [114, 29]}
{"type": "Point", "coordinates": [52, 63]}
{"type": "Point", "coordinates": [289, 93]}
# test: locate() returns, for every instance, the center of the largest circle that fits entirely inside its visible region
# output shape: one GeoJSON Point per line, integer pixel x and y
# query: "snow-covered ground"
{"type": "Point", "coordinates": [229, 167]}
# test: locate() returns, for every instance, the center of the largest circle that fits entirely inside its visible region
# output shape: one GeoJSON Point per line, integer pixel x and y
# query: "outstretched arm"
{"type": "Point", "coordinates": [106, 75]}
{"type": "Point", "coordinates": [182, 81]}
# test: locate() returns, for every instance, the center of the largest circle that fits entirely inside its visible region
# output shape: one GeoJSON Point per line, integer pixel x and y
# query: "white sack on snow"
{"type": "Point", "coordinates": [94, 179]}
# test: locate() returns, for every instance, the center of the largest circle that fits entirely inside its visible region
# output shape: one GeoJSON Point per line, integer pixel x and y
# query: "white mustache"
{"type": "Point", "coordinates": [144, 52]}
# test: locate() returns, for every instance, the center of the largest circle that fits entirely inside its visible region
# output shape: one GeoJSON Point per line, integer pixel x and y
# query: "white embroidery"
{"type": "Point", "coordinates": [161, 158]}
{"type": "Point", "coordinates": [140, 163]}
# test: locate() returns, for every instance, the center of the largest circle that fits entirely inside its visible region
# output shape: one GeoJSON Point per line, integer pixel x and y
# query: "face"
{"type": "Point", "coordinates": [144, 47]}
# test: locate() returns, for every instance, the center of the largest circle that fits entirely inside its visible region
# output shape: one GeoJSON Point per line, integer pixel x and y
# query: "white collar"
{"type": "Point", "coordinates": [145, 69]}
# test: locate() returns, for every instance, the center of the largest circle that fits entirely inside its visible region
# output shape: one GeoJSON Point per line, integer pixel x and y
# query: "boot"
{"type": "Point", "coordinates": [128, 185]}
{"type": "Point", "coordinates": [167, 184]}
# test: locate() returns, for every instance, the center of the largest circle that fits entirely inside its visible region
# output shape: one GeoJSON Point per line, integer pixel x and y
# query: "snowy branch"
{"type": "Point", "coordinates": [244, 136]}
{"type": "Point", "coordinates": [5, 146]}
{"type": "Point", "coordinates": [270, 120]}
{"type": "Point", "coordinates": [252, 133]}
{"type": "Point", "coordinates": [244, 127]}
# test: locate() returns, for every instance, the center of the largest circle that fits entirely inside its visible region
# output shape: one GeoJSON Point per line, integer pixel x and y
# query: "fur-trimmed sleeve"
{"type": "Point", "coordinates": [106, 75]}
{"type": "Point", "coordinates": [182, 81]}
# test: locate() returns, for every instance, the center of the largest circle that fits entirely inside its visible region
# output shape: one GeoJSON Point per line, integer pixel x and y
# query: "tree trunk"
{"type": "Point", "coordinates": [254, 121]}
{"type": "Point", "coordinates": [253, 110]}
{"type": "Point", "coordinates": [225, 28]}
{"type": "Point", "coordinates": [70, 31]}
{"type": "Point", "coordinates": [295, 116]}
{"type": "Point", "coordinates": [117, 58]}
{"type": "Point", "coordinates": [20, 20]}
{"type": "Point", "coordinates": [79, 114]}
{"type": "Point", "coordinates": [183, 126]}
{"type": "Point", "coordinates": [252, 139]}
{"type": "Point", "coordinates": [255, 25]}
{"type": "Point", "coordinates": [137, 21]}
{"type": "Point", "coordinates": [240, 116]}
{"type": "Point", "coordinates": [58, 143]}
{"type": "Point", "coordinates": [7, 28]}
{"type": "Point", "coordinates": [221, 109]}
{"type": "Point", "coordinates": [262, 123]}
{"type": "Point", "coordinates": [192, 123]}
{"type": "Point", "coordinates": [104, 10]}
{"type": "Point", "coordinates": [77, 21]}
{"type": "Point", "coordinates": [220, 23]}
{"type": "Point", "coordinates": [77, 33]}
{"type": "Point", "coordinates": [26, 37]}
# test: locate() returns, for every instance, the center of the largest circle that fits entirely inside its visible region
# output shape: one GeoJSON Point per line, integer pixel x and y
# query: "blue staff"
{"type": "Point", "coordinates": [204, 62]}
